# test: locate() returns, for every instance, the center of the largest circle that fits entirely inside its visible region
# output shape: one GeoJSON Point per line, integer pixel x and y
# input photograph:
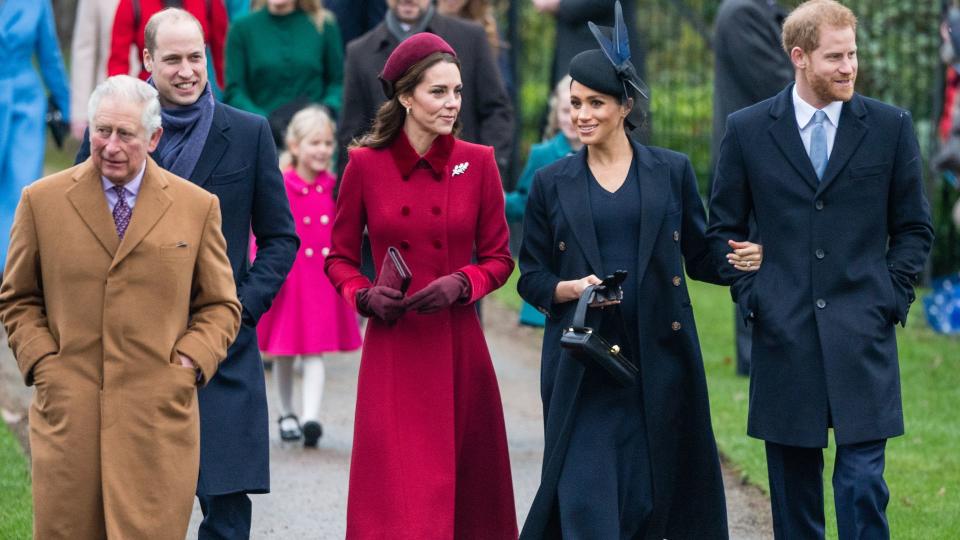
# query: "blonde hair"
{"type": "Point", "coordinates": [553, 123]}
{"type": "Point", "coordinates": [802, 26]}
{"type": "Point", "coordinates": [308, 120]}
{"type": "Point", "coordinates": [313, 8]}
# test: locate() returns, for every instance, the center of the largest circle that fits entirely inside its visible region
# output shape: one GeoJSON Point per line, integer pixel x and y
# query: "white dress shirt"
{"type": "Point", "coordinates": [130, 189]}
{"type": "Point", "coordinates": [804, 112]}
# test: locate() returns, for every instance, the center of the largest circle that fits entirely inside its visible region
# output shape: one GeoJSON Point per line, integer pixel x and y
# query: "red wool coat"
{"type": "Point", "coordinates": [430, 452]}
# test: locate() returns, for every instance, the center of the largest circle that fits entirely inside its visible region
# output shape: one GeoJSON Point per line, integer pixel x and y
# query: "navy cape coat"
{"type": "Point", "coordinates": [238, 164]}
{"type": "Point", "coordinates": [560, 243]}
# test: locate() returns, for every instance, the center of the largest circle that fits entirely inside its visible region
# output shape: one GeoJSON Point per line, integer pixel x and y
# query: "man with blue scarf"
{"type": "Point", "coordinates": [231, 154]}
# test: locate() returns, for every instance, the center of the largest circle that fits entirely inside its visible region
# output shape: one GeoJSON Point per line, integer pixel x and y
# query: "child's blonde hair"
{"type": "Point", "coordinates": [306, 122]}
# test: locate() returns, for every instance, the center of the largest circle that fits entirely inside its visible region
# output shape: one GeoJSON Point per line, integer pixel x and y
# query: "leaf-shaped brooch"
{"type": "Point", "coordinates": [460, 168]}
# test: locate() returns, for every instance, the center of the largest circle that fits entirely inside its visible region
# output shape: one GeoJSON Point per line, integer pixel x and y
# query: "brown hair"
{"type": "Point", "coordinates": [480, 11]}
{"type": "Point", "coordinates": [802, 26]}
{"type": "Point", "coordinates": [392, 114]}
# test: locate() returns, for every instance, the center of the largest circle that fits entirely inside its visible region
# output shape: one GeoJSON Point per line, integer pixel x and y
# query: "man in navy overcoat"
{"type": "Point", "coordinates": [231, 154]}
{"type": "Point", "coordinates": [835, 181]}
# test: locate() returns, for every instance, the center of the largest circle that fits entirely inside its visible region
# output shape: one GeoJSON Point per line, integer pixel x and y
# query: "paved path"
{"type": "Point", "coordinates": [309, 494]}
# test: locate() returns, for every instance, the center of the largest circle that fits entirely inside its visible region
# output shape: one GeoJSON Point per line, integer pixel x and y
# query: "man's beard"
{"type": "Point", "coordinates": [824, 89]}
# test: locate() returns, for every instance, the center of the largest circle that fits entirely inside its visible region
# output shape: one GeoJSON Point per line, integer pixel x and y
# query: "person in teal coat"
{"type": "Point", "coordinates": [26, 29]}
{"type": "Point", "coordinates": [560, 140]}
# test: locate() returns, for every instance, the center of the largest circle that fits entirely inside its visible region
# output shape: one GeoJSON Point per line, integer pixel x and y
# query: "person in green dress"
{"type": "Point", "coordinates": [281, 57]}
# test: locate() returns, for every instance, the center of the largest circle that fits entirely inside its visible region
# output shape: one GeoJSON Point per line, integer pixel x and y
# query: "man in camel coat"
{"type": "Point", "coordinates": [118, 300]}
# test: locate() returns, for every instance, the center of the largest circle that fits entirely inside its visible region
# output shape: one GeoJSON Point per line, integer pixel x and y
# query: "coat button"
{"type": "Point", "coordinates": [308, 252]}
{"type": "Point", "coordinates": [676, 236]}
{"type": "Point", "coordinates": [325, 251]}
{"type": "Point", "coordinates": [820, 254]}
{"type": "Point", "coordinates": [821, 303]}
{"type": "Point", "coordinates": [405, 211]}
{"type": "Point", "coordinates": [319, 189]}
{"type": "Point", "coordinates": [305, 191]}
{"type": "Point", "coordinates": [306, 220]}
{"type": "Point", "coordinates": [562, 246]}
{"type": "Point", "coordinates": [819, 204]}
{"type": "Point", "coordinates": [435, 210]}
{"type": "Point", "coordinates": [404, 244]}
{"type": "Point", "coordinates": [324, 219]}
{"type": "Point", "coordinates": [437, 244]}
{"type": "Point", "coordinates": [676, 326]}
{"type": "Point", "coordinates": [676, 281]}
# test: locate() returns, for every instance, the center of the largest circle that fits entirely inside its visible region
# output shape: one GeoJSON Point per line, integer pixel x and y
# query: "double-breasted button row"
{"type": "Point", "coordinates": [405, 210]}
{"type": "Point", "coordinates": [306, 191]}
{"type": "Point", "coordinates": [309, 252]}
{"type": "Point", "coordinates": [324, 220]}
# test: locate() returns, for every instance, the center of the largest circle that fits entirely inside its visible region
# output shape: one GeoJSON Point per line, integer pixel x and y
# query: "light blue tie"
{"type": "Point", "coordinates": [818, 144]}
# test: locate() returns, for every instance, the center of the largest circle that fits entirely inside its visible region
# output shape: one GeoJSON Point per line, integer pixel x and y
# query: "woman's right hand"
{"type": "Point", "coordinates": [384, 303]}
{"type": "Point", "coordinates": [567, 291]}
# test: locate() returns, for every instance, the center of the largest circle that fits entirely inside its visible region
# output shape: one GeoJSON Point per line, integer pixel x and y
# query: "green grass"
{"type": "Point", "coordinates": [16, 509]}
{"type": "Point", "coordinates": [922, 467]}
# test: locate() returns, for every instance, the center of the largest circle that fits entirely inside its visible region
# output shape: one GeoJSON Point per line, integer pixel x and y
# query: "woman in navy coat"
{"type": "Point", "coordinates": [638, 461]}
{"type": "Point", "coordinates": [26, 29]}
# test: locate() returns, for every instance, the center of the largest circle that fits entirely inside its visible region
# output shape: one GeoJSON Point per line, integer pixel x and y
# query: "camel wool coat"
{"type": "Point", "coordinates": [96, 324]}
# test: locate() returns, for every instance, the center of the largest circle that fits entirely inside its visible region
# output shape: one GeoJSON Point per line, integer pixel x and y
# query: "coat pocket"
{"type": "Point", "coordinates": [228, 177]}
{"type": "Point", "coordinates": [867, 171]}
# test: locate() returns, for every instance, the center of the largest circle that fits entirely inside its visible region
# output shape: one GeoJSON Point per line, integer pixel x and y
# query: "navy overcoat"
{"type": "Point", "coordinates": [560, 244]}
{"type": "Point", "coordinates": [238, 164]}
{"type": "Point", "coordinates": [840, 260]}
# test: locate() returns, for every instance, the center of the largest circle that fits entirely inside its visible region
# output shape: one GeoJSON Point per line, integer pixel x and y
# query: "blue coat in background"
{"type": "Point", "coordinates": [238, 164]}
{"type": "Point", "coordinates": [560, 243]}
{"type": "Point", "coordinates": [541, 155]}
{"type": "Point", "coordinates": [26, 29]}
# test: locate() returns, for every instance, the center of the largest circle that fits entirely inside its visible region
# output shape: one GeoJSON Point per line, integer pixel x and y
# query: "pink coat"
{"type": "Point", "coordinates": [430, 451]}
{"type": "Point", "coordinates": [307, 315]}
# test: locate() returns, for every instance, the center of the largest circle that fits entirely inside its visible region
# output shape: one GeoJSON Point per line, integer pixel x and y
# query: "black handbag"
{"type": "Point", "coordinates": [592, 349]}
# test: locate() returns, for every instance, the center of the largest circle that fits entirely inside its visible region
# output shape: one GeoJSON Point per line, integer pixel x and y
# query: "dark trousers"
{"type": "Point", "coordinates": [225, 517]}
{"type": "Point", "coordinates": [859, 492]}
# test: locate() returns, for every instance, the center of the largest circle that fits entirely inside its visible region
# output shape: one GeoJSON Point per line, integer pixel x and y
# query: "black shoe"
{"type": "Point", "coordinates": [293, 434]}
{"type": "Point", "coordinates": [312, 431]}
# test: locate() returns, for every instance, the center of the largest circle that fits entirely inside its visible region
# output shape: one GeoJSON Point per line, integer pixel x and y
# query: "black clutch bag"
{"type": "Point", "coordinates": [394, 272]}
{"type": "Point", "coordinates": [592, 349]}
{"type": "Point", "coordinates": [58, 126]}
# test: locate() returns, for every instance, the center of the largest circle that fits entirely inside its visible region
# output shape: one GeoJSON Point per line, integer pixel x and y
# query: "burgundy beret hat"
{"type": "Point", "coordinates": [410, 51]}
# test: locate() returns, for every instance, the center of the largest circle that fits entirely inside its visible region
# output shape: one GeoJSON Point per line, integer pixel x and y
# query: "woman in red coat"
{"type": "Point", "coordinates": [429, 453]}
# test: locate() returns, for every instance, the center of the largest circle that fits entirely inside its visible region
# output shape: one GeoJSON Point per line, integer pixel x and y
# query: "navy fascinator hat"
{"type": "Point", "coordinates": [609, 70]}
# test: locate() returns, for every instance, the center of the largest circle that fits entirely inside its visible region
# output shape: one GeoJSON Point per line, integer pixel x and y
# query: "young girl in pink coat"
{"type": "Point", "coordinates": [308, 317]}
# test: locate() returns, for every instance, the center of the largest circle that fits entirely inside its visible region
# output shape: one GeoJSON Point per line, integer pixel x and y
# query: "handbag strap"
{"type": "Point", "coordinates": [580, 315]}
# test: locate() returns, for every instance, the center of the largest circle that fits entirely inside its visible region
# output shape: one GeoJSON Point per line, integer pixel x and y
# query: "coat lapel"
{"type": "Point", "coordinates": [574, 195]}
{"type": "Point", "coordinates": [850, 133]}
{"type": "Point", "coordinates": [214, 148]}
{"type": "Point", "coordinates": [152, 203]}
{"type": "Point", "coordinates": [786, 134]}
{"type": "Point", "coordinates": [89, 200]}
{"type": "Point", "coordinates": [654, 178]}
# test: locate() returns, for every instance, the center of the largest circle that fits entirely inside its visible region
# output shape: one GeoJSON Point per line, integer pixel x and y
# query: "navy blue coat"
{"type": "Point", "coordinates": [840, 260]}
{"type": "Point", "coordinates": [238, 164]}
{"type": "Point", "coordinates": [560, 243]}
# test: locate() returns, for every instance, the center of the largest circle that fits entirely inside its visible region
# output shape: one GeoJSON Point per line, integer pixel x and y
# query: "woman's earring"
{"type": "Point", "coordinates": [408, 110]}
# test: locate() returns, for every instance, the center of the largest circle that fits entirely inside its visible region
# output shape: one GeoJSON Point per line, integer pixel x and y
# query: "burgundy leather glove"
{"type": "Point", "coordinates": [439, 293]}
{"type": "Point", "coordinates": [384, 303]}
